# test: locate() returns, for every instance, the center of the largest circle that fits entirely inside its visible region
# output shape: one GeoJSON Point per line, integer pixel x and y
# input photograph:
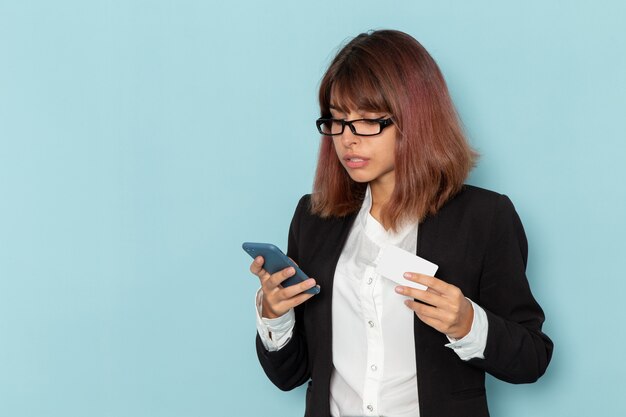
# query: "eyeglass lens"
{"type": "Point", "coordinates": [359, 127]}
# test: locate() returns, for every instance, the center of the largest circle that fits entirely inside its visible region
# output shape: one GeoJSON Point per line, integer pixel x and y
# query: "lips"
{"type": "Point", "coordinates": [355, 161]}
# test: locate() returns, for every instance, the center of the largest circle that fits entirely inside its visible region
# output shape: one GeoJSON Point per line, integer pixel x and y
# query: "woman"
{"type": "Point", "coordinates": [391, 168]}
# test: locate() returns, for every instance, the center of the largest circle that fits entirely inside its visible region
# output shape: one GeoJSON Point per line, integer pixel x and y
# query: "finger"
{"type": "Point", "coordinates": [441, 320]}
{"type": "Point", "coordinates": [429, 297]}
{"type": "Point", "coordinates": [424, 310]}
{"type": "Point", "coordinates": [279, 304]}
{"type": "Point", "coordinates": [434, 323]}
{"type": "Point", "coordinates": [257, 265]}
{"type": "Point", "coordinates": [436, 284]}
{"type": "Point", "coordinates": [426, 314]}
{"type": "Point", "coordinates": [433, 291]}
{"type": "Point", "coordinates": [277, 278]}
{"type": "Point", "coordinates": [293, 290]}
{"type": "Point", "coordinates": [298, 299]}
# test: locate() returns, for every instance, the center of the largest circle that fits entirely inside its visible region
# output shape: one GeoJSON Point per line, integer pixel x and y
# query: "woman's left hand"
{"type": "Point", "coordinates": [446, 309]}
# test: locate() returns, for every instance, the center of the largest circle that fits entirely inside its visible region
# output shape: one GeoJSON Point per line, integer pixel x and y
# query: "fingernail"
{"type": "Point", "coordinates": [407, 275]}
{"type": "Point", "coordinates": [258, 260]}
{"type": "Point", "coordinates": [291, 270]}
{"type": "Point", "coordinates": [399, 290]}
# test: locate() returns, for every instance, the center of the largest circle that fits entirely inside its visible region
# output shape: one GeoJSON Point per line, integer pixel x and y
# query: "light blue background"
{"type": "Point", "coordinates": [142, 141]}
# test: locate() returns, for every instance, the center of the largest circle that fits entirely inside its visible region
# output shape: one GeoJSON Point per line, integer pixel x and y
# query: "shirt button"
{"type": "Point", "coordinates": [371, 323]}
{"type": "Point", "coordinates": [369, 407]}
{"type": "Point", "coordinates": [374, 367]}
{"type": "Point", "coordinates": [370, 280]}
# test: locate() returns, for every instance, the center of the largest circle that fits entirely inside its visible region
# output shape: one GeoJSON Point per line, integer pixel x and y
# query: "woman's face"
{"type": "Point", "coordinates": [368, 159]}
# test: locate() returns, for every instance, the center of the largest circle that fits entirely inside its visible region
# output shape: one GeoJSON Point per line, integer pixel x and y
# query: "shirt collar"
{"type": "Point", "coordinates": [374, 230]}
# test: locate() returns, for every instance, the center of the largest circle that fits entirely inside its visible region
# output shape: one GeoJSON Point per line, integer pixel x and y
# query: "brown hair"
{"type": "Point", "coordinates": [389, 71]}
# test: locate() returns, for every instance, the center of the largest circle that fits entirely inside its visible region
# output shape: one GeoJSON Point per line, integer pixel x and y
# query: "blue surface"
{"type": "Point", "coordinates": [141, 142]}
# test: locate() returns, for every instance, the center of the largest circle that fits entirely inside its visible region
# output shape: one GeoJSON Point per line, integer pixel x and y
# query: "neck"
{"type": "Point", "coordinates": [381, 192]}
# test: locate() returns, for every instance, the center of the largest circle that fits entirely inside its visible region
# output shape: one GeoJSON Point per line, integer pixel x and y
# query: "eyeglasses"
{"type": "Point", "coordinates": [359, 127]}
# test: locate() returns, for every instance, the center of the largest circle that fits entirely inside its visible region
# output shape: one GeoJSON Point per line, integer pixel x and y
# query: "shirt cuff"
{"type": "Point", "coordinates": [274, 333]}
{"type": "Point", "coordinates": [473, 344]}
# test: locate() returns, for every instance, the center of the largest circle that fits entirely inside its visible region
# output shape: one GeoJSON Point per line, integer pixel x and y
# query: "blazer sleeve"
{"type": "Point", "coordinates": [288, 367]}
{"type": "Point", "coordinates": [517, 351]}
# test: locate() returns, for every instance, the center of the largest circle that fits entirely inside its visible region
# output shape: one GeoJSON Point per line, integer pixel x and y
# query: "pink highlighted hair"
{"type": "Point", "coordinates": [389, 71]}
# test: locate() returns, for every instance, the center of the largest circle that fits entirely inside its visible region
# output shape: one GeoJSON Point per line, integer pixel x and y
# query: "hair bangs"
{"type": "Point", "coordinates": [356, 87]}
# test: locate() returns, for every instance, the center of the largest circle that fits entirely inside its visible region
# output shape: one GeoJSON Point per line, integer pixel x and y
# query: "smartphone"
{"type": "Point", "coordinates": [276, 260]}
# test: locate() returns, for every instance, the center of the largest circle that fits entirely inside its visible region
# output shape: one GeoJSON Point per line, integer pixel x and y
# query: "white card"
{"type": "Point", "coordinates": [394, 262]}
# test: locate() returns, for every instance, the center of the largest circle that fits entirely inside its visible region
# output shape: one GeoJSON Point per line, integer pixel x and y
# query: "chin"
{"type": "Point", "coordinates": [363, 179]}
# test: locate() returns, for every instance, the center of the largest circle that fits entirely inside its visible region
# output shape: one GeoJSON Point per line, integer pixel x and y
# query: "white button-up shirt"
{"type": "Point", "coordinates": [373, 342]}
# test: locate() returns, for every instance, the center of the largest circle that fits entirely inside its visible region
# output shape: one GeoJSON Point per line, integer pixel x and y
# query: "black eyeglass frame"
{"type": "Point", "coordinates": [383, 123]}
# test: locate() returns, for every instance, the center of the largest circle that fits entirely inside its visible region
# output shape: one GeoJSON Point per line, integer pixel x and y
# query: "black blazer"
{"type": "Point", "coordinates": [479, 244]}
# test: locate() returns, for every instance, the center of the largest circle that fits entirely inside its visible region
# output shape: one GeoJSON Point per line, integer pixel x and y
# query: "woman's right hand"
{"type": "Point", "coordinates": [278, 300]}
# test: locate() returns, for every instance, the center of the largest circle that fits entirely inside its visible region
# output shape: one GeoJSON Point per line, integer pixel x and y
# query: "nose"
{"type": "Point", "coordinates": [348, 138]}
